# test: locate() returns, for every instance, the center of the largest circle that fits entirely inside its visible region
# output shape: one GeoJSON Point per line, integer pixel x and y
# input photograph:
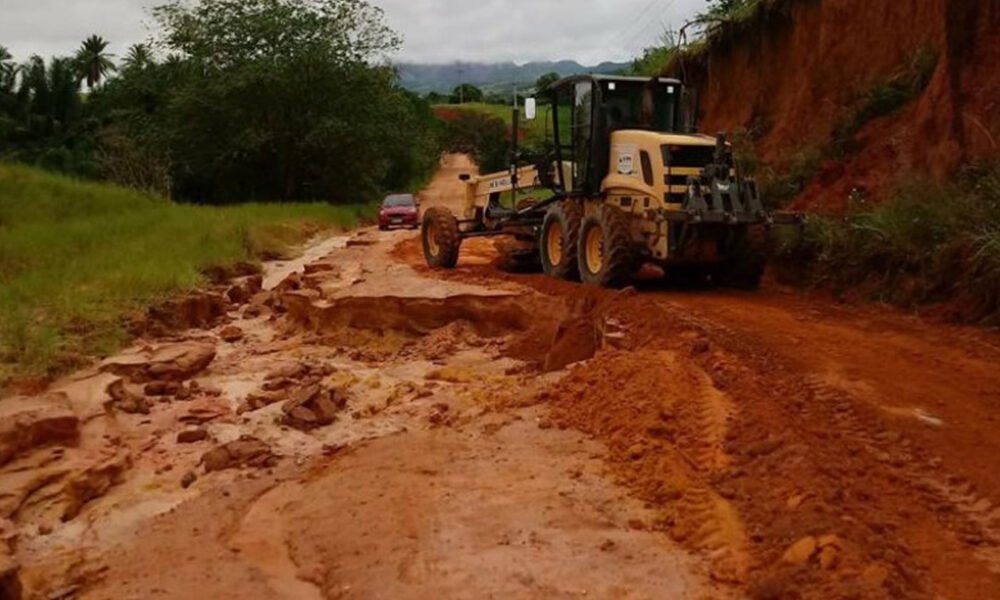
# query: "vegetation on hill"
{"type": "Point", "coordinates": [243, 100]}
{"type": "Point", "coordinates": [931, 242]}
{"type": "Point", "coordinates": [77, 257]}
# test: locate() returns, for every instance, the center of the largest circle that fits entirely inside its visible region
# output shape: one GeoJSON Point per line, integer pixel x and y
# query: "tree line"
{"type": "Point", "coordinates": [232, 100]}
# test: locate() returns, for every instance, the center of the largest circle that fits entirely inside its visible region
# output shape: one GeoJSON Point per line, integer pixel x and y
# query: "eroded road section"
{"type": "Point", "coordinates": [354, 425]}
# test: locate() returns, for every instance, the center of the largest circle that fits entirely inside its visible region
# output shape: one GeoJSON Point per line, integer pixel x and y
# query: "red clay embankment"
{"type": "Point", "coordinates": [798, 68]}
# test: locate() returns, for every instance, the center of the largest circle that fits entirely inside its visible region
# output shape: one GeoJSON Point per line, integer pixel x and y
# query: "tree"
{"type": "Point", "coordinates": [546, 80]}
{"type": "Point", "coordinates": [283, 99]}
{"type": "Point", "coordinates": [482, 135]}
{"type": "Point", "coordinates": [139, 56]}
{"type": "Point", "coordinates": [6, 61]}
{"type": "Point", "coordinates": [466, 93]}
{"type": "Point", "coordinates": [93, 63]}
{"type": "Point", "coordinates": [8, 76]}
{"type": "Point", "coordinates": [725, 9]}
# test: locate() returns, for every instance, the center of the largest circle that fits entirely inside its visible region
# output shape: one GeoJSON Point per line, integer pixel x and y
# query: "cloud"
{"type": "Point", "coordinates": [589, 31]}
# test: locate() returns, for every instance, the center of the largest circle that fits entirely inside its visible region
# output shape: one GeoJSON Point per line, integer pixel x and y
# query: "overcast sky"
{"type": "Point", "coordinates": [589, 31]}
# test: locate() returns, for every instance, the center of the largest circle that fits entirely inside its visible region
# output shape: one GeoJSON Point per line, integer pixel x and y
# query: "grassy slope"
{"type": "Point", "coordinates": [76, 257]}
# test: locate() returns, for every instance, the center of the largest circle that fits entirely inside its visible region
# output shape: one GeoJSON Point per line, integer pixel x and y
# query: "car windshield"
{"type": "Point", "coordinates": [398, 200]}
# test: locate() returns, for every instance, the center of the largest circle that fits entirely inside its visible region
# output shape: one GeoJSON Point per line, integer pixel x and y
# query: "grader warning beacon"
{"type": "Point", "coordinates": [627, 181]}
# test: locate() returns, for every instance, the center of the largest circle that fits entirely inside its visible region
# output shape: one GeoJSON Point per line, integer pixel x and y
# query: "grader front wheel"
{"type": "Point", "coordinates": [606, 253]}
{"type": "Point", "coordinates": [440, 238]}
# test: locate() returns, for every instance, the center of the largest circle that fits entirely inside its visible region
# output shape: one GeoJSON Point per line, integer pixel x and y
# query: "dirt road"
{"type": "Point", "coordinates": [353, 425]}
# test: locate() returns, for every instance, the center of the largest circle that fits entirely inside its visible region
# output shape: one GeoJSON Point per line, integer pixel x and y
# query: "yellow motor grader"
{"type": "Point", "coordinates": [629, 182]}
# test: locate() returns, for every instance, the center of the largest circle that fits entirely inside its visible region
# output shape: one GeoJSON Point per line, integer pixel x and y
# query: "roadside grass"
{"type": "Point", "coordinates": [930, 243]}
{"type": "Point", "coordinates": [76, 258]}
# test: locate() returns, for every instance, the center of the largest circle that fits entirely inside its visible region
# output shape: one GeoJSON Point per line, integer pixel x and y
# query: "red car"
{"type": "Point", "coordinates": [399, 210]}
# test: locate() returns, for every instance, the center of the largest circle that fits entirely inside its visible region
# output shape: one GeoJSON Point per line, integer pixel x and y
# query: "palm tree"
{"type": "Point", "coordinates": [6, 59]}
{"type": "Point", "coordinates": [138, 57]}
{"type": "Point", "coordinates": [93, 62]}
{"type": "Point", "coordinates": [8, 71]}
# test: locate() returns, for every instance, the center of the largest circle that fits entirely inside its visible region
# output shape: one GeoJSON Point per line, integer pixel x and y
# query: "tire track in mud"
{"type": "Point", "coordinates": [869, 475]}
{"type": "Point", "coordinates": [665, 425]}
{"type": "Point", "coordinates": [970, 518]}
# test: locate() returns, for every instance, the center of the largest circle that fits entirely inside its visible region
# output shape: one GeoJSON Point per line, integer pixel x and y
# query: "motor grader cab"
{"type": "Point", "coordinates": [629, 182]}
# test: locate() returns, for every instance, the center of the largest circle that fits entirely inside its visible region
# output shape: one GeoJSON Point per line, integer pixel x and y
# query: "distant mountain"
{"type": "Point", "coordinates": [496, 77]}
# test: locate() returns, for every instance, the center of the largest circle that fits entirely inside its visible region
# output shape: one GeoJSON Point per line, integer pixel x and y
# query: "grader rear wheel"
{"type": "Point", "coordinates": [440, 238]}
{"type": "Point", "coordinates": [607, 254]}
{"type": "Point", "coordinates": [559, 236]}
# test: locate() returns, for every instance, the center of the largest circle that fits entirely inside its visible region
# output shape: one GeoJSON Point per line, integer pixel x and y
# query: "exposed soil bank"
{"type": "Point", "coordinates": [796, 70]}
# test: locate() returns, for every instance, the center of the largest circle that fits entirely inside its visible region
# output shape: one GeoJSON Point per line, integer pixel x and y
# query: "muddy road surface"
{"type": "Point", "coordinates": [354, 425]}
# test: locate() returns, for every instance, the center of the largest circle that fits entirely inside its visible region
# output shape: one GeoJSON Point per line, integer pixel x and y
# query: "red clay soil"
{"type": "Point", "coordinates": [810, 450]}
{"type": "Point", "coordinates": [801, 66]}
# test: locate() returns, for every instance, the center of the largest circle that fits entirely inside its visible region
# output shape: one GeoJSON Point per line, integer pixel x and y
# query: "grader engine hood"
{"type": "Point", "coordinates": [682, 178]}
{"type": "Point", "coordinates": [656, 166]}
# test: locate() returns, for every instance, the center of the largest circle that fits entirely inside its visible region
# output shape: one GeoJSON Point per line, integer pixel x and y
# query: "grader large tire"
{"type": "Point", "coordinates": [558, 240]}
{"type": "Point", "coordinates": [440, 238]}
{"type": "Point", "coordinates": [607, 254]}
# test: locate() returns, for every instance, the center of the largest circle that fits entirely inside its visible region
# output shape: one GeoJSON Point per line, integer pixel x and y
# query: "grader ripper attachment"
{"type": "Point", "coordinates": [627, 182]}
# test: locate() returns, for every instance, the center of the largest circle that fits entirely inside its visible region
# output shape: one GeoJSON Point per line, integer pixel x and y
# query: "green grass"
{"type": "Point", "coordinates": [76, 258]}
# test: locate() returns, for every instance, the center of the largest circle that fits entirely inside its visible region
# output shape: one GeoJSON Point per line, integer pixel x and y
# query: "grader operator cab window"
{"type": "Point", "coordinates": [588, 109]}
{"type": "Point", "coordinates": [642, 105]}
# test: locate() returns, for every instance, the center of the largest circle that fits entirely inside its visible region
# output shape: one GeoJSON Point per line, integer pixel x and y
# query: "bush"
{"type": "Point", "coordinates": [931, 242]}
{"type": "Point", "coordinates": [482, 135]}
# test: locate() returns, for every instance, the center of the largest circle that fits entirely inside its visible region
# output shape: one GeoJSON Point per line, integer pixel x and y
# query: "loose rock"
{"type": "Point", "coordinates": [192, 436]}
{"type": "Point", "coordinates": [231, 334]}
{"type": "Point", "coordinates": [124, 400]}
{"type": "Point", "coordinates": [246, 451]}
{"type": "Point", "coordinates": [172, 362]}
{"type": "Point", "coordinates": [161, 388]}
{"type": "Point", "coordinates": [801, 551]}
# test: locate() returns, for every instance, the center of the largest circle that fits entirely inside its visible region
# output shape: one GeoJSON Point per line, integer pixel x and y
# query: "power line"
{"type": "Point", "coordinates": [623, 34]}
{"type": "Point", "coordinates": [634, 42]}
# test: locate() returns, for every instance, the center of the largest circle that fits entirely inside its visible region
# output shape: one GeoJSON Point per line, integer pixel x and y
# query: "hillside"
{"type": "Point", "coordinates": [76, 258]}
{"type": "Point", "coordinates": [848, 96]}
{"type": "Point", "coordinates": [498, 77]}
